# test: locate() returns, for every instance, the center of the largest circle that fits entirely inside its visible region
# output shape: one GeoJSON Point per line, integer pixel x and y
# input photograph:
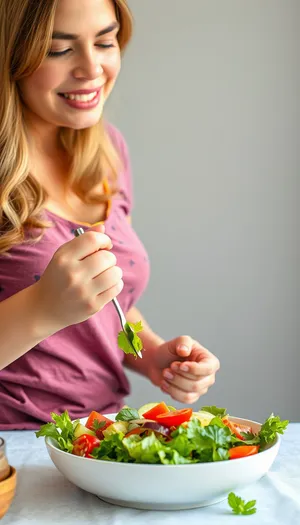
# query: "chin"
{"type": "Point", "coordinates": [83, 123]}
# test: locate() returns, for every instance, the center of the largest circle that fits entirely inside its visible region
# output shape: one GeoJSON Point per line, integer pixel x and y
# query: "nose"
{"type": "Point", "coordinates": [89, 68]}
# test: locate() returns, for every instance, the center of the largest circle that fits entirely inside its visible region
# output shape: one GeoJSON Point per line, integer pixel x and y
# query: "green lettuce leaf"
{"type": "Point", "coordinates": [112, 449]}
{"type": "Point", "coordinates": [216, 411]}
{"type": "Point", "coordinates": [62, 430]}
{"type": "Point", "coordinates": [152, 450]}
{"type": "Point", "coordinates": [270, 428]}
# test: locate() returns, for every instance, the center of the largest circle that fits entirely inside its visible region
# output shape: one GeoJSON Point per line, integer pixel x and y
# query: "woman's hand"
{"type": "Point", "coordinates": [183, 369]}
{"type": "Point", "coordinates": [80, 280]}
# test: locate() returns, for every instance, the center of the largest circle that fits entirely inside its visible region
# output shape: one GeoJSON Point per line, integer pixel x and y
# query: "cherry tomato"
{"type": "Point", "coordinates": [243, 451]}
{"type": "Point", "coordinates": [175, 418]}
{"type": "Point", "coordinates": [85, 444]}
{"type": "Point", "coordinates": [161, 408]}
{"type": "Point", "coordinates": [103, 422]}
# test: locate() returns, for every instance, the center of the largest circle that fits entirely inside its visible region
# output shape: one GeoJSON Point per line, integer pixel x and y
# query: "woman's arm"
{"type": "Point", "coordinates": [70, 291]}
{"type": "Point", "coordinates": [20, 326]}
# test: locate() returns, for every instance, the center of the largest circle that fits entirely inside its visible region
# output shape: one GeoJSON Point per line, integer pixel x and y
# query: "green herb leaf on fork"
{"type": "Point", "coordinates": [131, 343]}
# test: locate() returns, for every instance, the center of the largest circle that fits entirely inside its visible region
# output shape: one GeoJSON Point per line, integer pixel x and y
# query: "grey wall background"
{"type": "Point", "coordinates": [208, 100]}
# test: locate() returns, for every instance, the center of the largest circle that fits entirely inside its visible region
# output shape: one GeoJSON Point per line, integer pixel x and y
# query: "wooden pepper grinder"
{"type": "Point", "coordinates": [4, 466]}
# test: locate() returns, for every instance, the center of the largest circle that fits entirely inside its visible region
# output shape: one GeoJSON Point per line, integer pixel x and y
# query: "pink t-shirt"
{"type": "Point", "coordinates": [79, 368]}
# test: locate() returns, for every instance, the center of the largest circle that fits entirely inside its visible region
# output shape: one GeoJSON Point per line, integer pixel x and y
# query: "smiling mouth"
{"type": "Point", "coordinates": [80, 98]}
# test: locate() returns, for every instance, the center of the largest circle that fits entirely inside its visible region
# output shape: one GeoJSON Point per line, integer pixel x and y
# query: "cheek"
{"type": "Point", "coordinates": [112, 66]}
{"type": "Point", "coordinates": [42, 81]}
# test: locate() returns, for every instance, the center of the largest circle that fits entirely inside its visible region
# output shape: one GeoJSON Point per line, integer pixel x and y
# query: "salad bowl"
{"type": "Point", "coordinates": [163, 486]}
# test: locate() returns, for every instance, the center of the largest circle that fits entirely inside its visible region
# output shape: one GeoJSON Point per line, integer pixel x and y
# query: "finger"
{"type": "Point", "coordinates": [87, 244]}
{"type": "Point", "coordinates": [182, 345]}
{"type": "Point", "coordinates": [186, 384]}
{"type": "Point", "coordinates": [110, 294]}
{"type": "Point", "coordinates": [108, 279]}
{"type": "Point", "coordinates": [186, 398]}
{"type": "Point", "coordinates": [98, 263]}
{"type": "Point", "coordinates": [194, 369]}
{"type": "Point", "coordinates": [98, 228]}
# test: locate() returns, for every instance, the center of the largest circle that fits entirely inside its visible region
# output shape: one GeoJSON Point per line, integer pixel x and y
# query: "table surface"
{"type": "Point", "coordinates": [45, 497]}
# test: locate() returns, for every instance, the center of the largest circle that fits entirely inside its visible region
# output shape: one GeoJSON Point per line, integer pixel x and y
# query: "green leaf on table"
{"type": "Point", "coordinates": [239, 506]}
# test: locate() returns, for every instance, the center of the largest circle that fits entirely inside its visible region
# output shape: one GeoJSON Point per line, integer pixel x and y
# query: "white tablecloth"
{"type": "Point", "coordinates": [45, 497]}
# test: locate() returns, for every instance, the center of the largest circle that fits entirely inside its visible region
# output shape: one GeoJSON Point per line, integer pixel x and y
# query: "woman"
{"type": "Point", "coordinates": [62, 168]}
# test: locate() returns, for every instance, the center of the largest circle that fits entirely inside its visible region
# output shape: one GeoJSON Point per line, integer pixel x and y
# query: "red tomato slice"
{"type": "Point", "coordinates": [243, 451]}
{"type": "Point", "coordinates": [84, 445]}
{"type": "Point", "coordinates": [161, 408]}
{"type": "Point", "coordinates": [98, 418]}
{"type": "Point", "coordinates": [175, 418]}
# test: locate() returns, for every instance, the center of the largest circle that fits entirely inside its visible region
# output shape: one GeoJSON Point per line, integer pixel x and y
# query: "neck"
{"type": "Point", "coordinates": [43, 135]}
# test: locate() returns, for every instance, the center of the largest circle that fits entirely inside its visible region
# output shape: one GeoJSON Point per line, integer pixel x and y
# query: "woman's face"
{"type": "Point", "coordinates": [72, 84]}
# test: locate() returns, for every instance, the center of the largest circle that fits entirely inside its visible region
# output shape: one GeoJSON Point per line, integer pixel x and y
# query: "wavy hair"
{"type": "Point", "coordinates": [26, 28]}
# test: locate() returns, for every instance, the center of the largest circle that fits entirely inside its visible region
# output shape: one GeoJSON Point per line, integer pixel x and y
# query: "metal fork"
{"type": "Point", "coordinates": [124, 324]}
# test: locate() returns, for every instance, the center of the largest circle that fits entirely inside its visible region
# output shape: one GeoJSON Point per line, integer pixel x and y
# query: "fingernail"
{"type": "Point", "coordinates": [175, 368]}
{"type": "Point", "coordinates": [184, 368]}
{"type": "Point", "coordinates": [168, 375]}
{"type": "Point", "coordinates": [165, 385]}
{"type": "Point", "coordinates": [184, 348]}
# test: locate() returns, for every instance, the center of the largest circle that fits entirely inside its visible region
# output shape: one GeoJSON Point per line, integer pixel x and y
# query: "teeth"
{"type": "Point", "coordinates": [82, 98]}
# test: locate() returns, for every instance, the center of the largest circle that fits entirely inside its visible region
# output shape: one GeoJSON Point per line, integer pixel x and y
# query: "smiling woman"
{"type": "Point", "coordinates": [40, 83]}
{"type": "Point", "coordinates": [62, 167]}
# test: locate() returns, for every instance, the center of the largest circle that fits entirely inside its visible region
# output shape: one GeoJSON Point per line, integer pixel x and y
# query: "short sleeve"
{"type": "Point", "coordinates": [125, 176]}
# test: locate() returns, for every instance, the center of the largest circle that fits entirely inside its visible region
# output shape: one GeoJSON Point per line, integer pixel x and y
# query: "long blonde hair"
{"type": "Point", "coordinates": [26, 28]}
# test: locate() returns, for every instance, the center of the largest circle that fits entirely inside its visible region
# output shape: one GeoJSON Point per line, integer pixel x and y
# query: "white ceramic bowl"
{"type": "Point", "coordinates": [163, 487]}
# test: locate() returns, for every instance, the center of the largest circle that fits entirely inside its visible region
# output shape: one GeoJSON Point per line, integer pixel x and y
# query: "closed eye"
{"type": "Point", "coordinates": [66, 51]}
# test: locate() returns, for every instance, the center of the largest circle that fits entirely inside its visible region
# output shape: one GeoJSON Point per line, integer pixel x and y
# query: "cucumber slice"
{"type": "Point", "coordinates": [204, 417]}
{"type": "Point", "coordinates": [120, 427]}
{"type": "Point", "coordinates": [81, 429]}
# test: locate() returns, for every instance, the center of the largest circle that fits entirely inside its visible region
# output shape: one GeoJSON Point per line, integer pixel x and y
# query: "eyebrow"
{"type": "Point", "coordinates": [59, 35]}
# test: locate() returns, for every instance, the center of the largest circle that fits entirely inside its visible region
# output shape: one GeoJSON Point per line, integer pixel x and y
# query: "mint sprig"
{"type": "Point", "coordinates": [239, 506]}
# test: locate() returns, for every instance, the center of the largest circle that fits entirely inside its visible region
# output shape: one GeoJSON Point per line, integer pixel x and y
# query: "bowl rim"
{"type": "Point", "coordinates": [214, 464]}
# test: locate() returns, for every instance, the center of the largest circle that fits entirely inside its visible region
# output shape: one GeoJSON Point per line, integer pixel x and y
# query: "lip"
{"type": "Point", "coordinates": [80, 104]}
{"type": "Point", "coordinates": [81, 91]}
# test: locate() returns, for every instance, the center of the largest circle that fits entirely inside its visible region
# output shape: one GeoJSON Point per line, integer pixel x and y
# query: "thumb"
{"type": "Point", "coordinates": [181, 346]}
{"type": "Point", "coordinates": [98, 228]}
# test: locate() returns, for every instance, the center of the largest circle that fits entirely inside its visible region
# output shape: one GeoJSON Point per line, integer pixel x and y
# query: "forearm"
{"type": "Point", "coordinates": [150, 342]}
{"type": "Point", "coordinates": [20, 326]}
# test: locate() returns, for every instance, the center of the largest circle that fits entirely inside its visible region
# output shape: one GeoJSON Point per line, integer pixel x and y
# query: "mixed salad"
{"type": "Point", "coordinates": [159, 434]}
